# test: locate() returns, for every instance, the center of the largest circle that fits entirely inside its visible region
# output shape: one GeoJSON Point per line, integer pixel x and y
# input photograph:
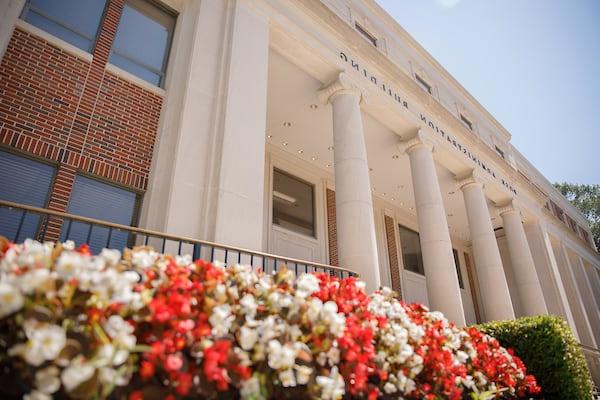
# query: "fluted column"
{"type": "Point", "coordinates": [357, 248]}
{"type": "Point", "coordinates": [492, 281]}
{"type": "Point", "coordinates": [526, 278]}
{"type": "Point", "coordinates": [440, 271]}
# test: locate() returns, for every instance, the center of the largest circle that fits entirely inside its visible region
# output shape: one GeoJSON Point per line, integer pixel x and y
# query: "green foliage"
{"type": "Point", "coordinates": [587, 199]}
{"type": "Point", "coordinates": [550, 352]}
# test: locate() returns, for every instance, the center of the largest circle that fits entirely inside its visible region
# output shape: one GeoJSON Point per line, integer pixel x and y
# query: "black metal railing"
{"type": "Point", "coordinates": [19, 221]}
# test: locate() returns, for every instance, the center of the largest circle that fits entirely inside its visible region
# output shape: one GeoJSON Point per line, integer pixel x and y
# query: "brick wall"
{"type": "Point", "coordinates": [75, 113]}
{"type": "Point", "coordinates": [332, 228]}
{"type": "Point", "coordinates": [392, 248]}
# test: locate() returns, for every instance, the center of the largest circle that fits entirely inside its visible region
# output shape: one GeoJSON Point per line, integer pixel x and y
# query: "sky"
{"type": "Point", "coordinates": [533, 64]}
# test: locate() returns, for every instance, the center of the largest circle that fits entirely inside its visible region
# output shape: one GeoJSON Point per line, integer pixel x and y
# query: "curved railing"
{"type": "Point", "coordinates": [56, 225]}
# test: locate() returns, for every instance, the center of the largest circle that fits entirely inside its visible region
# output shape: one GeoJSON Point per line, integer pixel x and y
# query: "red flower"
{"type": "Point", "coordinates": [146, 369]}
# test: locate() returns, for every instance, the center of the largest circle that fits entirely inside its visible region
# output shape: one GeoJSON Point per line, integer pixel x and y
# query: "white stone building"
{"type": "Point", "coordinates": [321, 130]}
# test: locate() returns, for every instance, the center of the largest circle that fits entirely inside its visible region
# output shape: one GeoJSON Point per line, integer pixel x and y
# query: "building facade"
{"type": "Point", "coordinates": [318, 130]}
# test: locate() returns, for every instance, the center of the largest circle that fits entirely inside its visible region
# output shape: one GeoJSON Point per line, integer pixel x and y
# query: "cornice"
{"type": "Point", "coordinates": [339, 29]}
{"type": "Point", "coordinates": [468, 97]}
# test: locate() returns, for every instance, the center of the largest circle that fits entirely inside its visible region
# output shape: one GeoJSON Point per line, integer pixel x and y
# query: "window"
{"type": "Point", "coordinates": [142, 42]}
{"type": "Point", "coordinates": [584, 235]}
{"type": "Point", "coordinates": [423, 83]}
{"type": "Point", "coordinates": [74, 21]}
{"type": "Point", "coordinates": [372, 39]}
{"type": "Point", "coordinates": [293, 204]}
{"type": "Point", "coordinates": [466, 121]}
{"type": "Point", "coordinates": [572, 224]}
{"type": "Point", "coordinates": [458, 273]}
{"type": "Point", "coordinates": [27, 182]}
{"type": "Point", "coordinates": [411, 250]}
{"type": "Point", "coordinates": [95, 199]}
{"type": "Point", "coordinates": [500, 152]}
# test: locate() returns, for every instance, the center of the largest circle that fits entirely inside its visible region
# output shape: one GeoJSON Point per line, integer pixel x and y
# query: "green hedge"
{"type": "Point", "coordinates": [551, 353]}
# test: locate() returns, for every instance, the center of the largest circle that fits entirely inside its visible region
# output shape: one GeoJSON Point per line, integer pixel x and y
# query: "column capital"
{"type": "Point", "coordinates": [468, 179]}
{"type": "Point", "coordinates": [343, 84]}
{"type": "Point", "coordinates": [506, 208]}
{"type": "Point", "coordinates": [406, 145]}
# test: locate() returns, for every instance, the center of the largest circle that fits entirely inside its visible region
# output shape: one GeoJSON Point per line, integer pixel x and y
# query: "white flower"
{"type": "Point", "coordinates": [287, 378]}
{"type": "Point", "coordinates": [11, 299]}
{"type": "Point", "coordinates": [144, 259]}
{"type": "Point", "coordinates": [251, 389]}
{"type": "Point", "coordinates": [45, 342]}
{"type": "Point", "coordinates": [306, 284]}
{"type": "Point", "coordinates": [462, 356]}
{"type": "Point", "coordinates": [30, 281]}
{"type": "Point", "coordinates": [111, 376]}
{"type": "Point", "coordinates": [221, 319]}
{"type": "Point", "coordinates": [68, 245]}
{"type": "Point", "coordinates": [46, 380]}
{"type": "Point", "coordinates": [333, 355]}
{"type": "Point", "coordinates": [248, 338]}
{"type": "Point", "coordinates": [314, 309]}
{"type": "Point", "coordinates": [332, 386]}
{"type": "Point", "coordinates": [336, 321]}
{"type": "Point", "coordinates": [107, 354]}
{"type": "Point", "coordinates": [248, 303]}
{"type": "Point", "coordinates": [303, 373]}
{"type": "Point", "coordinates": [389, 388]}
{"type": "Point", "coordinates": [183, 261]}
{"type": "Point", "coordinates": [37, 395]}
{"type": "Point", "coordinates": [76, 374]}
{"type": "Point", "coordinates": [34, 254]}
{"type": "Point", "coordinates": [116, 326]}
{"type": "Point", "coordinates": [281, 357]}
{"type": "Point", "coordinates": [69, 264]}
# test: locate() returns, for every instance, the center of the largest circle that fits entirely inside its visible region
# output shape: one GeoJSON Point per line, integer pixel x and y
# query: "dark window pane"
{"type": "Point", "coordinates": [74, 21]}
{"type": "Point", "coordinates": [426, 86]}
{"type": "Point", "coordinates": [458, 273]}
{"type": "Point", "coordinates": [142, 42]}
{"type": "Point", "coordinates": [293, 204]}
{"type": "Point", "coordinates": [411, 250]}
{"type": "Point", "coordinates": [135, 69]}
{"type": "Point", "coordinates": [23, 181]}
{"type": "Point", "coordinates": [94, 199]}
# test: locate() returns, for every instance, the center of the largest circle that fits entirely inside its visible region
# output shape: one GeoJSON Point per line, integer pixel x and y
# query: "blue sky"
{"type": "Point", "coordinates": [535, 66]}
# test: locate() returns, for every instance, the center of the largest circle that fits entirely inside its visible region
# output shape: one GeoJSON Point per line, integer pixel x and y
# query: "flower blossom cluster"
{"type": "Point", "coordinates": [148, 325]}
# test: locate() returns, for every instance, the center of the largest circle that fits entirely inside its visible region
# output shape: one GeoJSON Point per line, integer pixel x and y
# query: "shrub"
{"type": "Point", "coordinates": [552, 354]}
{"type": "Point", "coordinates": [148, 325]}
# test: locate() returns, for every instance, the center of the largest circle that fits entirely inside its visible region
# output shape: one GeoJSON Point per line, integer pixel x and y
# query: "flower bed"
{"type": "Point", "coordinates": [148, 325]}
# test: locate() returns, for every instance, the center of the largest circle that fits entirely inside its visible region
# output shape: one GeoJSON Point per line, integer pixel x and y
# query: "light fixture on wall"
{"type": "Point", "coordinates": [285, 143]}
{"type": "Point", "coordinates": [330, 148]}
{"type": "Point", "coordinates": [300, 151]}
{"type": "Point", "coordinates": [395, 157]}
{"type": "Point", "coordinates": [287, 124]}
{"type": "Point", "coordinates": [269, 136]}
{"type": "Point", "coordinates": [314, 158]}
{"type": "Point", "coordinates": [284, 198]}
{"type": "Point", "coordinates": [313, 106]}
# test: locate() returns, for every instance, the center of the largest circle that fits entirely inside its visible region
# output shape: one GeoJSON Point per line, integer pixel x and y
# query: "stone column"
{"type": "Point", "coordinates": [357, 248]}
{"type": "Point", "coordinates": [440, 270]}
{"type": "Point", "coordinates": [207, 176]}
{"type": "Point", "coordinates": [528, 284]}
{"type": "Point", "coordinates": [492, 281]}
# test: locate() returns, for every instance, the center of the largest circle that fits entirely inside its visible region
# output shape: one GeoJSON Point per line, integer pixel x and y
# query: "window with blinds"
{"type": "Point", "coordinates": [24, 181]}
{"type": "Point", "coordinates": [94, 199]}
